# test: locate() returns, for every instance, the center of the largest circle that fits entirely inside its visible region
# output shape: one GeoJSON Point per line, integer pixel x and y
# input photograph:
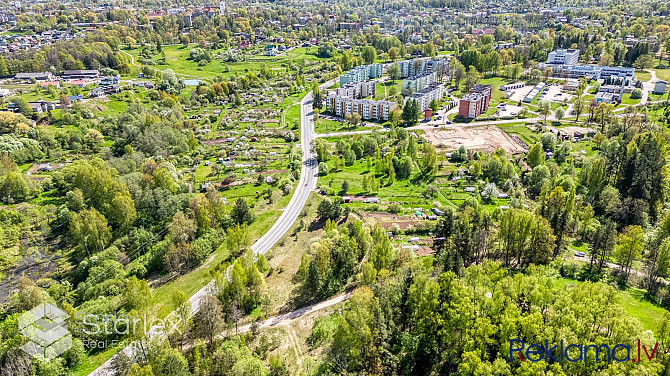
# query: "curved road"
{"type": "Point", "coordinates": [307, 182]}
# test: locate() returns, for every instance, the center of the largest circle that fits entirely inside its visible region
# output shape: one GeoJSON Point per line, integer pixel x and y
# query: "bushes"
{"type": "Point", "coordinates": [636, 94]}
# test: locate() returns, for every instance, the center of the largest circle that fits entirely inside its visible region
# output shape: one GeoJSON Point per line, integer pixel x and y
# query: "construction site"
{"type": "Point", "coordinates": [476, 138]}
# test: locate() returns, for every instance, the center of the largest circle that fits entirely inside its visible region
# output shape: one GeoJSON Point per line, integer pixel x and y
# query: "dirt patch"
{"type": "Point", "coordinates": [425, 251]}
{"type": "Point", "coordinates": [482, 138]}
{"type": "Point", "coordinates": [572, 130]}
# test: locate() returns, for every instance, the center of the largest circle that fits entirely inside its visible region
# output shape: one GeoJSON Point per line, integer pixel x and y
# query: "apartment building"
{"type": "Point", "coordinates": [426, 95]}
{"type": "Point", "coordinates": [357, 90]}
{"type": "Point", "coordinates": [476, 102]}
{"type": "Point", "coordinates": [362, 73]}
{"type": "Point", "coordinates": [415, 67]}
{"type": "Point", "coordinates": [368, 109]}
{"type": "Point", "coordinates": [418, 82]}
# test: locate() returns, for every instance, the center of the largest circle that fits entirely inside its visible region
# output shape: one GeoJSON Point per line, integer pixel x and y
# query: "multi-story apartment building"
{"type": "Point", "coordinates": [368, 109]}
{"type": "Point", "coordinates": [476, 102]}
{"type": "Point", "coordinates": [418, 66]}
{"type": "Point", "coordinates": [418, 82]}
{"type": "Point", "coordinates": [426, 95]}
{"type": "Point", "coordinates": [362, 73]}
{"type": "Point", "coordinates": [356, 90]}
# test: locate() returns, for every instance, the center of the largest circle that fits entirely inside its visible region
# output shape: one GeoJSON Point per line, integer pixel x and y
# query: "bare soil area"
{"type": "Point", "coordinates": [485, 138]}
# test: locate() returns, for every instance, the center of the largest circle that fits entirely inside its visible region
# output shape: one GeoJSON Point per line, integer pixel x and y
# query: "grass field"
{"type": "Point", "coordinates": [528, 135]}
{"type": "Point", "coordinates": [643, 75]}
{"type": "Point", "coordinates": [381, 94]}
{"type": "Point", "coordinates": [663, 74]}
{"type": "Point", "coordinates": [329, 126]}
{"type": "Point", "coordinates": [628, 101]}
{"type": "Point", "coordinates": [177, 59]}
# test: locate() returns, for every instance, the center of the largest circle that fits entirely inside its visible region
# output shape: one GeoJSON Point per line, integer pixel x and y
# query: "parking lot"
{"type": "Point", "coordinates": [507, 110]}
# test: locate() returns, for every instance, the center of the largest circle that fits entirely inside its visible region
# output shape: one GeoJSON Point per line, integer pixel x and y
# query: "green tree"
{"type": "Point", "coordinates": [136, 295]}
{"type": "Point", "coordinates": [394, 71]}
{"type": "Point", "coordinates": [238, 238]}
{"type": "Point", "coordinates": [369, 54]}
{"type": "Point", "coordinates": [240, 213]}
{"type": "Point", "coordinates": [89, 231]}
{"type": "Point", "coordinates": [535, 155]}
{"type": "Point", "coordinates": [410, 113]}
{"type": "Point", "coordinates": [382, 253]}
{"type": "Point", "coordinates": [629, 248]}
{"type": "Point", "coordinates": [429, 159]}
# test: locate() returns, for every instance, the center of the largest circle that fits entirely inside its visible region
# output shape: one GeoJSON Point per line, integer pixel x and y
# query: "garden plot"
{"type": "Point", "coordinates": [388, 220]}
{"type": "Point", "coordinates": [482, 138]}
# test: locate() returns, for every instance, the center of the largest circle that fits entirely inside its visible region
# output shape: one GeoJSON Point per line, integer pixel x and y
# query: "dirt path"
{"type": "Point", "coordinates": [287, 318]}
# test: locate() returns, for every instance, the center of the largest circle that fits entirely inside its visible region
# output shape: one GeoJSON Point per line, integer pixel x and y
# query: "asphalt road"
{"type": "Point", "coordinates": [307, 183]}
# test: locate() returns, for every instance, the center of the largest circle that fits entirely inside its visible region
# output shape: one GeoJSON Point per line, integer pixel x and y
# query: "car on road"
{"type": "Point", "coordinates": [580, 253]}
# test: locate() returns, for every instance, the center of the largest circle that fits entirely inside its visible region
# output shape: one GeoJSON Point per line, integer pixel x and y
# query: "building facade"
{"type": "Point", "coordinates": [418, 66]}
{"type": "Point", "coordinates": [476, 102]}
{"type": "Point", "coordinates": [563, 57]}
{"type": "Point", "coordinates": [418, 82]}
{"type": "Point", "coordinates": [362, 73]}
{"type": "Point", "coordinates": [368, 109]}
{"type": "Point", "coordinates": [357, 90]}
{"type": "Point", "coordinates": [426, 95]}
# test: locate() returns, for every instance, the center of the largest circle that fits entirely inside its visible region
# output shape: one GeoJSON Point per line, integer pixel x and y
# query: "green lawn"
{"type": "Point", "coordinates": [528, 135]}
{"type": "Point", "coordinates": [627, 100]}
{"type": "Point", "coordinates": [177, 59]}
{"type": "Point", "coordinates": [381, 94]}
{"type": "Point", "coordinates": [636, 305]}
{"type": "Point", "coordinates": [329, 126]}
{"type": "Point", "coordinates": [663, 74]}
{"type": "Point", "coordinates": [643, 75]}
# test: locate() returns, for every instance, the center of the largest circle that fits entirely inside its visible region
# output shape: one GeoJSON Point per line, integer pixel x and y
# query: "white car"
{"type": "Point", "coordinates": [580, 253]}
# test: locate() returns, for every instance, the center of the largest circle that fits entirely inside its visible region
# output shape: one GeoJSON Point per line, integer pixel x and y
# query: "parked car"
{"type": "Point", "coordinates": [580, 253]}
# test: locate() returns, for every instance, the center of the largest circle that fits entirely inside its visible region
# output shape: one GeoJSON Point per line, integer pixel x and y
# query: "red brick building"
{"type": "Point", "coordinates": [475, 102]}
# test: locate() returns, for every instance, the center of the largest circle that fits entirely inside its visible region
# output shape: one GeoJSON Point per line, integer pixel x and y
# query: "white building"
{"type": "Point", "coordinates": [418, 66]}
{"type": "Point", "coordinates": [368, 109]}
{"type": "Point", "coordinates": [356, 90]}
{"type": "Point", "coordinates": [426, 95]}
{"type": "Point", "coordinates": [512, 86]}
{"type": "Point", "coordinates": [362, 73]}
{"type": "Point", "coordinates": [418, 82]}
{"type": "Point", "coordinates": [563, 57]}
